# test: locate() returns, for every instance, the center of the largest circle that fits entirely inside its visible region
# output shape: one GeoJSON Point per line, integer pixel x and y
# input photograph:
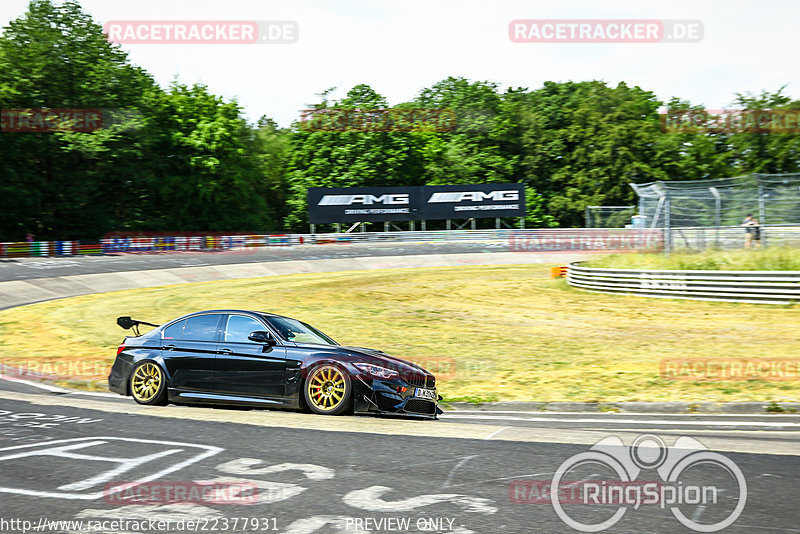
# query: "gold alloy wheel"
{"type": "Point", "coordinates": [146, 382]}
{"type": "Point", "coordinates": [327, 388]}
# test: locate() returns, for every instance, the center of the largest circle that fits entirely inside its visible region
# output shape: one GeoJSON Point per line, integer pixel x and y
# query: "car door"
{"type": "Point", "coordinates": [243, 367]}
{"type": "Point", "coordinates": [189, 349]}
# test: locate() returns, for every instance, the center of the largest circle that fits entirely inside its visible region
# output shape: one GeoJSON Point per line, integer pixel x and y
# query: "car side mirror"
{"type": "Point", "coordinates": [261, 336]}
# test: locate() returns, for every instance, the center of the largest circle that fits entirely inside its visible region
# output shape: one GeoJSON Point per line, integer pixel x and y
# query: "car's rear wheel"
{"type": "Point", "coordinates": [148, 384]}
{"type": "Point", "coordinates": [328, 390]}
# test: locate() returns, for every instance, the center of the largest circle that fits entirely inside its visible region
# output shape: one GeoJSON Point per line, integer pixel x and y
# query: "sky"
{"type": "Point", "coordinates": [400, 47]}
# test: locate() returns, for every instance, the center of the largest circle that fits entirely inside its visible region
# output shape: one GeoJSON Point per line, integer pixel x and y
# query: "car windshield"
{"type": "Point", "coordinates": [297, 331]}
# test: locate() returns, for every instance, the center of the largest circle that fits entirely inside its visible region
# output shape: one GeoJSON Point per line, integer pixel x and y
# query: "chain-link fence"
{"type": "Point", "coordinates": [609, 216]}
{"type": "Point", "coordinates": [774, 199]}
{"type": "Point", "coordinates": [698, 214]}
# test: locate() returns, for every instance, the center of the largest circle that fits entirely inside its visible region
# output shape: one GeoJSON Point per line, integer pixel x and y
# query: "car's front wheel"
{"type": "Point", "coordinates": [328, 390]}
{"type": "Point", "coordinates": [148, 384]}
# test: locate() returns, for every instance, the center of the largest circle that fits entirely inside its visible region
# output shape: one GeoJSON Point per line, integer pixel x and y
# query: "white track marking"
{"type": "Point", "coordinates": [123, 467]}
{"type": "Point", "coordinates": [371, 499]}
{"type": "Point", "coordinates": [45, 387]}
{"type": "Point", "coordinates": [493, 434]}
{"type": "Point", "coordinates": [531, 475]}
{"type": "Point", "coordinates": [627, 421]}
{"type": "Point", "coordinates": [63, 448]}
{"type": "Point", "coordinates": [243, 466]}
{"type": "Point", "coordinates": [56, 389]}
{"type": "Point", "coordinates": [268, 492]}
{"type": "Point", "coordinates": [455, 468]}
{"type": "Point", "coordinates": [612, 415]}
{"type": "Point", "coordinates": [95, 394]}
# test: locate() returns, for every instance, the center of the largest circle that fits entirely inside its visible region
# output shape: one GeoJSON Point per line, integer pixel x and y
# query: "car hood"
{"type": "Point", "coordinates": [392, 361]}
{"type": "Point", "coordinates": [373, 356]}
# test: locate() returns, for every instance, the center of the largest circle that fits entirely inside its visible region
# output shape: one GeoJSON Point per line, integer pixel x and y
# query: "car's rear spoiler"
{"type": "Point", "coordinates": [127, 323]}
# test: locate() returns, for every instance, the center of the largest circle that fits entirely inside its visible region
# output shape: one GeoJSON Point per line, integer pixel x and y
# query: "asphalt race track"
{"type": "Point", "coordinates": [27, 268]}
{"type": "Point", "coordinates": [61, 450]}
{"type": "Point", "coordinates": [86, 458]}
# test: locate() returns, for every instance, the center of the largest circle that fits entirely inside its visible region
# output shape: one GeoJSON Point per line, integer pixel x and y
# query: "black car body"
{"type": "Point", "coordinates": [258, 359]}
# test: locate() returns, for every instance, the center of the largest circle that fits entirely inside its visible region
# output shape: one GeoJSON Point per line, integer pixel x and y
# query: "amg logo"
{"type": "Point", "coordinates": [347, 200]}
{"type": "Point", "coordinates": [473, 196]}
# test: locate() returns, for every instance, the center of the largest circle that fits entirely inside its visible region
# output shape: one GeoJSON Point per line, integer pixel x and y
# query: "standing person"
{"type": "Point", "coordinates": [752, 230]}
{"type": "Point", "coordinates": [29, 237]}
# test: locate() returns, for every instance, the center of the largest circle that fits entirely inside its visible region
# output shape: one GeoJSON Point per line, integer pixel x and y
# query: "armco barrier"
{"type": "Point", "coordinates": [518, 240]}
{"type": "Point", "coordinates": [764, 287]}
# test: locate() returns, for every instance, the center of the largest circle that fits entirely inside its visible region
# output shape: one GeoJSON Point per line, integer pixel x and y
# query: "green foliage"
{"type": "Point", "coordinates": [180, 158]}
{"type": "Point", "coordinates": [774, 407]}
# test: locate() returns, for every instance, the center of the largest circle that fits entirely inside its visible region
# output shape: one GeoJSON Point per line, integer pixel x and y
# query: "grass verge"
{"type": "Point", "coordinates": [488, 332]}
{"type": "Point", "coordinates": [765, 259]}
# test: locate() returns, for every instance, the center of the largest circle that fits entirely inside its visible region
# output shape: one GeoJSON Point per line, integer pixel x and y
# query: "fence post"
{"type": "Point", "coordinates": [762, 212]}
{"type": "Point", "coordinates": [667, 227]}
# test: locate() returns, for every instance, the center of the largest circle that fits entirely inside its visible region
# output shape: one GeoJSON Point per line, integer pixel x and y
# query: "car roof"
{"type": "Point", "coordinates": [251, 312]}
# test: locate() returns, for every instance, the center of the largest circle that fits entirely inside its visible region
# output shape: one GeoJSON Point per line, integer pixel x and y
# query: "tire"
{"type": "Point", "coordinates": [148, 384]}
{"type": "Point", "coordinates": [327, 390]}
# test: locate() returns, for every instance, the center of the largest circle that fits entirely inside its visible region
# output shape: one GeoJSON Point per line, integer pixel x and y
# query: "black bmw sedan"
{"type": "Point", "coordinates": [257, 359]}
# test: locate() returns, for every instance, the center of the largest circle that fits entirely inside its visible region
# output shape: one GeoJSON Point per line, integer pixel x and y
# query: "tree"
{"type": "Point", "coordinates": [350, 158]}
{"type": "Point", "coordinates": [57, 183]}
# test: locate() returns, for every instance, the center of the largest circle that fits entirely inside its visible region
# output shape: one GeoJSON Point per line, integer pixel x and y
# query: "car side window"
{"type": "Point", "coordinates": [175, 330]}
{"type": "Point", "coordinates": [239, 327]}
{"type": "Point", "coordinates": [201, 328]}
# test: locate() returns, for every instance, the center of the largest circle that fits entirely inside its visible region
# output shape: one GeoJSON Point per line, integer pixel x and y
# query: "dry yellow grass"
{"type": "Point", "coordinates": [489, 332]}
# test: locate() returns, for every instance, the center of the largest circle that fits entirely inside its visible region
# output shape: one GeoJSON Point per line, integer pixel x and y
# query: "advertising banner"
{"type": "Point", "coordinates": [378, 204]}
{"type": "Point", "coordinates": [363, 204]}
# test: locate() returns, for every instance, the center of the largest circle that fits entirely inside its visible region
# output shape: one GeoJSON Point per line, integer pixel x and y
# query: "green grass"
{"type": "Point", "coordinates": [488, 332]}
{"type": "Point", "coordinates": [765, 259]}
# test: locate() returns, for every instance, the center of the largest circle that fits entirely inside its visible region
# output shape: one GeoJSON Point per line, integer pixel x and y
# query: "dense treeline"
{"type": "Point", "coordinates": [183, 159]}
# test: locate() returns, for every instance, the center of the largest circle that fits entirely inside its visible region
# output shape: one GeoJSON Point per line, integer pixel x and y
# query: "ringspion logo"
{"type": "Point", "coordinates": [591, 491]}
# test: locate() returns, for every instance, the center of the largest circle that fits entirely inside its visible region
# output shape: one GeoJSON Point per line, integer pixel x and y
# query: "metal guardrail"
{"type": "Point", "coordinates": [690, 239]}
{"type": "Point", "coordinates": [763, 287]}
{"type": "Point", "coordinates": [518, 240]}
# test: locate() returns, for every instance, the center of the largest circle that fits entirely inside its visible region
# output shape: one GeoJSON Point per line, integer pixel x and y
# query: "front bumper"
{"type": "Point", "coordinates": [392, 397]}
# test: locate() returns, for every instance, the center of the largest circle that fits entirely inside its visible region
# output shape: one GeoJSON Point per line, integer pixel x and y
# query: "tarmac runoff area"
{"type": "Point", "coordinates": [67, 457]}
{"type": "Point", "coordinates": [745, 433]}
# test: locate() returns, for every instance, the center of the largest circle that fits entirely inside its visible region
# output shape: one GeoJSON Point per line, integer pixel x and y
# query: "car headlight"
{"type": "Point", "coordinates": [375, 370]}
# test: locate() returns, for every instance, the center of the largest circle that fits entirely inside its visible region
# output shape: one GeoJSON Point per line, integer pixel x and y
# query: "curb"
{"type": "Point", "coordinates": [731, 408]}
{"type": "Point", "coordinates": [632, 407]}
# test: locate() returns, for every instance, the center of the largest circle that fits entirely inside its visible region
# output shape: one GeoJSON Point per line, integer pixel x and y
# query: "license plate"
{"type": "Point", "coordinates": [425, 393]}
